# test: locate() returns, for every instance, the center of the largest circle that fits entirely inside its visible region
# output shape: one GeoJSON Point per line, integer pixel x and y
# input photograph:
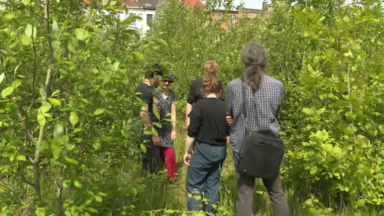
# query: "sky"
{"type": "Point", "coordinates": [252, 4]}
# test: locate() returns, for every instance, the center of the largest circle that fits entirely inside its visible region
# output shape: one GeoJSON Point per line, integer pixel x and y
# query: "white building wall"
{"type": "Point", "coordinates": [141, 25]}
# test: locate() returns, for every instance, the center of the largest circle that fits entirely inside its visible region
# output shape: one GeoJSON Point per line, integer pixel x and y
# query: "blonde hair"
{"type": "Point", "coordinates": [211, 68]}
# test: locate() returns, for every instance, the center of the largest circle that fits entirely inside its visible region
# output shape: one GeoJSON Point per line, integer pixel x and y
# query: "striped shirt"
{"type": "Point", "coordinates": [262, 108]}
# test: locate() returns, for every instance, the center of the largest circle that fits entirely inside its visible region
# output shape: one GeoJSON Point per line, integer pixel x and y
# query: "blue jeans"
{"type": "Point", "coordinates": [204, 170]}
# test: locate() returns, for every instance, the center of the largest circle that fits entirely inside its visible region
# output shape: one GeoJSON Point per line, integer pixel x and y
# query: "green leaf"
{"type": "Point", "coordinates": [56, 151]}
{"type": "Point", "coordinates": [40, 212]}
{"type": "Point", "coordinates": [26, 40]}
{"type": "Point", "coordinates": [78, 184]}
{"type": "Point", "coordinates": [26, 2]}
{"type": "Point", "coordinates": [93, 210]}
{"type": "Point", "coordinates": [98, 198]}
{"type": "Point", "coordinates": [17, 83]}
{"type": "Point", "coordinates": [2, 76]}
{"type": "Point", "coordinates": [158, 124]}
{"type": "Point", "coordinates": [156, 113]}
{"type": "Point", "coordinates": [154, 131]}
{"type": "Point", "coordinates": [320, 111]}
{"type": "Point", "coordinates": [55, 26]}
{"type": "Point", "coordinates": [87, 101]}
{"type": "Point", "coordinates": [350, 116]}
{"type": "Point", "coordinates": [9, 16]}
{"type": "Point", "coordinates": [55, 92]}
{"type": "Point", "coordinates": [361, 203]}
{"type": "Point", "coordinates": [71, 48]}
{"type": "Point", "coordinates": [143, 148]}
{"type": "Point", "coordinates": [41, 119]}
{"type": "Point", "coordinates": [21, 158]}
{"type": "Point", "coordinates": [72, 161]}
{"type": "Point", "coordinates": [48, 115]}
{"type": "Point", "coordinates": [54, 102]}
{"type": "Point", "coordinates": [59, 130]}
{"type": "Point", "coordinates": [99, 111]}
{"type": "Point", "coordinates": [115, 66]}
{"type": "Point", "coordinates": [147, 132]}
{"type": "Point", "coordinates": [7, 91]}
{"type": "Point", "coordinates": [139, 55]}
{"type": "Point", "coordinates": [105, 2]}
{"type": "Point", "coordinates": [45, 107]}
{"type": "Point", "coordinates": [307, 111]}
{"type": "Point", "coordinates": [81, 34]}
{"type": "Point", "coordinates": [73, 119]}
{"type": "Point", "coordinates": [28, 30]}
{"type": "Point", "coordinates": [43, 93]}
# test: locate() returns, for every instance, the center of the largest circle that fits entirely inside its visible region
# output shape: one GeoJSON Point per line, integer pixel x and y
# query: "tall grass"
{"type": "Point", "coordinates": [164, 198]}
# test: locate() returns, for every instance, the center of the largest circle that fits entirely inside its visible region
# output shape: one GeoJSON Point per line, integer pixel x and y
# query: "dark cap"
{"type": "Point", "coordinates": [154, 69]}
{"type": "Point", "coordinates": [170, 76]}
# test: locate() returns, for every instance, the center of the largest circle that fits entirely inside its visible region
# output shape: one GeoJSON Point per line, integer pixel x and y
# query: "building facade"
{"type": "Point", "coordinates": [145, 9]}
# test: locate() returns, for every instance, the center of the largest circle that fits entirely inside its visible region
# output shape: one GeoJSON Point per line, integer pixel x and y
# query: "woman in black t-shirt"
{"type": "Point", "coordinates": [209, 133]}
{"type": "Point", "coordinates": [195, 90]}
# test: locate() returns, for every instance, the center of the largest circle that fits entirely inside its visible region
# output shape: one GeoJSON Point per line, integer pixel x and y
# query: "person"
{"type": "Point", "coordinates": [267, 93]}
{"type": "Point", "coordinates": [211, 68]}
{"type": "Point", "coordinates": [167, 132]}
{"type": "Point", "coordinates": [151, 154]}
{"type": "Point", "coordinates": [209, 132]}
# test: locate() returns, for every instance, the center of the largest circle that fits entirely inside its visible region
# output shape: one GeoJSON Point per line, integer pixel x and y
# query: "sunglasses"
{"type": "Point", "coordinates": [167, 81]}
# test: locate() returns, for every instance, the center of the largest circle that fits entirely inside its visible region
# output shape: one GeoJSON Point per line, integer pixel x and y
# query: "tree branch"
{"type": "Point", "coordinates": [59, 196]}
{"type": "Point", "coordinates": [36, 162]}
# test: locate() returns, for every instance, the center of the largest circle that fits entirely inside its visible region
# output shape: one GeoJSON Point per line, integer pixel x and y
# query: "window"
{"type": "Point", "coordinates": [112, 15]}
{"type": "Point", "coordinates": [218, 16]}
{"type": "Point", "coordinates": [233, 19]}
{"type": "Point", "coordinates": [149, 18]}
{"type": "Point", "coordinates": [133, 14]}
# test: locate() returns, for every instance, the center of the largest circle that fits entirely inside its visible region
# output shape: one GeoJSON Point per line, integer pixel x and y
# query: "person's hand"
{"type": "Point", "coordinates": [173, 135]}
{"type": "Point", "coordinates": [187, 158]}
{"type": "Point", "coordinates": [187, 123]}
{"type": "Point", "coordinates": [156, 140]}
{"type": "Point", "coordinates": [229, 120]}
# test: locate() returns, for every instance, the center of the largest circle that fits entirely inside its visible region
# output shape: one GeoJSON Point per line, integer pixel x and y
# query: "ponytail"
{"type": "Point", "coordinates": [210, 69]}
{"type": "Point", "coordinates": [211, 85]}
{"type": "Point", "coordinates": [253, 75]}
{"type": "Point", "coordinates": [254, 59]}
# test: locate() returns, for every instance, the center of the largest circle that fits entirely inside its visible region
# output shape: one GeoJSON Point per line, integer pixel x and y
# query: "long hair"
{"type": "Point", "coordinates": [210, 68]}
{"type": "Point", "coordinates": [212, 85]}
{"type": "Point", "coordinates": [254, 58]}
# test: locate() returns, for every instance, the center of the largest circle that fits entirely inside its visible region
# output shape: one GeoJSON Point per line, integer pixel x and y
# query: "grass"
{"type": "Point", "coordinates": [163, 198]}
{"type": "Point", "coordinates": [160, 197]}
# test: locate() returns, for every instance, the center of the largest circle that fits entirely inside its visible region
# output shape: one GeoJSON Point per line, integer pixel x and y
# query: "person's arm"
{"type": "Point", "coordinates": [173, 117]}
{"type": "Point", "coordinates": [190, 101]}
{"type": "Point", "coordinates": [281, 96]}
{"type": "Point", "coordinates": [145, 97]}
{"type": "Point", "coordinates": [193, 131]}
{"type": "Point", "coordinates": [228, 140]}
{"type": "Point", "coordinates": [227, 134]}
{"type": "Point", "coordinates": [229, 110]}
{"type": "Point", "coordinates": [145, 117]}
{"type": "Point", "coordinates": [144, 114]}
{"type": "Point", "coordinates": [188, 110]}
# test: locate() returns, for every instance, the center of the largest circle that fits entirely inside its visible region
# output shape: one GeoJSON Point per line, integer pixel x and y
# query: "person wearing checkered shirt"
{"type": "Point", "coordinates": [266, 92]}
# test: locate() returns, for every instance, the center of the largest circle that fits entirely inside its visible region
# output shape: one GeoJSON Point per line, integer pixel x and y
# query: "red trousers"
{"type": "Point", "coordinates": [168, 157]}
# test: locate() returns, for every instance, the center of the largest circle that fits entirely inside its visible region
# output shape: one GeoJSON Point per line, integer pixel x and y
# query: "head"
{"type": "Point", "coordinates": [154, 74]}
{"type": "Point", "coordinates": [167, 81]}
{"type": "Point", "coordinates": [211, 68]}
{"type": "Point", "coordinates": [212, 85]}
{"type": "Point", "coordinates": [254, 58]}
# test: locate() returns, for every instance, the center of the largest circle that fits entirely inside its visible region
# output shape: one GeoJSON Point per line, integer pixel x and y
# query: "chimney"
{"type": "Point", "coordinates": [264, 5]}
